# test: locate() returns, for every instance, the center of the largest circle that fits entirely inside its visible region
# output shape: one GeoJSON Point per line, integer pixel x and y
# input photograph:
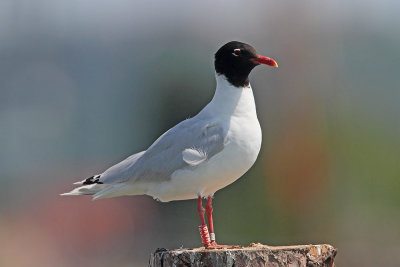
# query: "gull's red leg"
{"type": "Point", "coordinates": [209, 210]}
{"type": "Point", "coordinates": [201, 210]}
{"type": "Point", "coordinates": [205, 237]}
{"type": "Point", "coordinates": [213, 244]}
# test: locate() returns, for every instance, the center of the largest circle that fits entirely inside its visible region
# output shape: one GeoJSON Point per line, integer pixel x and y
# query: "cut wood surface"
{"type": "Point", "coordinates": [255, 255]}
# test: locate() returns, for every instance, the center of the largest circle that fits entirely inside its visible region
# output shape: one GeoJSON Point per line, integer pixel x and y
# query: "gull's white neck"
{"type": "Point", "coordinates": [230, 100]}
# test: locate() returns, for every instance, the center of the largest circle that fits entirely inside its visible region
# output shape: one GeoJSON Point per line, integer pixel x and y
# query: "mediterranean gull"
{"type": "Point", "coordinates": [200, 155]}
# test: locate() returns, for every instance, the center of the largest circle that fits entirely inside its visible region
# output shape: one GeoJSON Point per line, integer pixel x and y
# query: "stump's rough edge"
{"type": "Point", "coordinates": [254, 255]}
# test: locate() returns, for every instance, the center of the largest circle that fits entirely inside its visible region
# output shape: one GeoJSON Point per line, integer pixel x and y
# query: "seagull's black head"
{"type": "Point", "coordinates": [235, 60]}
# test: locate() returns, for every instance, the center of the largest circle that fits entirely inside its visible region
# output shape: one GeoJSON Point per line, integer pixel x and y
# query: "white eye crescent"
{"type": "Point", "coordinates": [236, 52]}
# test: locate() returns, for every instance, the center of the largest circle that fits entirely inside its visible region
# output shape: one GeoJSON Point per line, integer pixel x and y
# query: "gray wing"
{"type": "Point", "coordinates": [186, 145]}
{"type": "Point", "coordinates": [120, 171]}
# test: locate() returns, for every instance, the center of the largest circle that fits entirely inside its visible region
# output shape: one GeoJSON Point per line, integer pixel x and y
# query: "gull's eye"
{"type": "Point", "coordinates": [237, 52]}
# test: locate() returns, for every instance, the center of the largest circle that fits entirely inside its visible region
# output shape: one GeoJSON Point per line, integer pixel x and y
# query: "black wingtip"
{"type": "Point", "coordinates": [92, 180]}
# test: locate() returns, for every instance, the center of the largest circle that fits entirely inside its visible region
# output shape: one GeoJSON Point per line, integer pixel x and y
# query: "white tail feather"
{"type": "Point", "coordinates": [85, 190]}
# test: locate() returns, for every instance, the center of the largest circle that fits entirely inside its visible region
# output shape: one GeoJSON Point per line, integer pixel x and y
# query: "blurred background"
{"type": "Point", "coordinates": [84, 84]}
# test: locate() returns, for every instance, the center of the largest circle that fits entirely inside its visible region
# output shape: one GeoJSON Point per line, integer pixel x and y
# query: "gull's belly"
{"type": "Point", "coordinates": [239, 154]}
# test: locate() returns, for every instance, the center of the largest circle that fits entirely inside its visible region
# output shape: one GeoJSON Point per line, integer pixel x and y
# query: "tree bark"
{"type": "Point", "coordinates": [255, 255]}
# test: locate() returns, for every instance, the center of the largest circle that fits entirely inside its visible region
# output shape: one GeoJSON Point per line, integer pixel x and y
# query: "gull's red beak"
{"type": "Point", "coordinates": [265, 60]}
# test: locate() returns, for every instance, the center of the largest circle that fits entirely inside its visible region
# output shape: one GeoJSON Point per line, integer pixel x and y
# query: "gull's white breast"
{"type": "Point", "coordinates": [234, 109]}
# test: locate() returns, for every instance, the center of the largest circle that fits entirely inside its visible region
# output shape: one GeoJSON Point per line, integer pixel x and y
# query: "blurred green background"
{"type": "Point", "coordinates": [84, 84]}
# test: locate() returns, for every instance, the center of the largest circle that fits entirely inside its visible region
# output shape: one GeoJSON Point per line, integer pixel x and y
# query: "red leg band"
{"type": "Point", "coordinates": [205, 236]}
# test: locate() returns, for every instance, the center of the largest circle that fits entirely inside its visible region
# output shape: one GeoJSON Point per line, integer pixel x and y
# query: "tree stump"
{"type": "Point", "coordinates": [255, 255]}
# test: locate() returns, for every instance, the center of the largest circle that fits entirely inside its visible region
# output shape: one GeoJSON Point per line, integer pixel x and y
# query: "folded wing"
{"type": "Point", "coordinates": [186, 145]}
